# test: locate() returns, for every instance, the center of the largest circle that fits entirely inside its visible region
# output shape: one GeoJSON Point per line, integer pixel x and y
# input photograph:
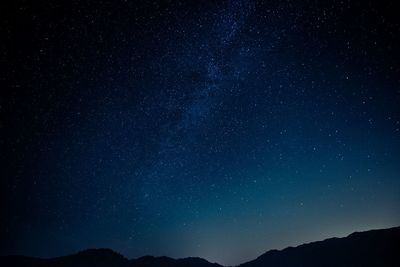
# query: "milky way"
{"type": "Point", "coordinates": [219, 130]}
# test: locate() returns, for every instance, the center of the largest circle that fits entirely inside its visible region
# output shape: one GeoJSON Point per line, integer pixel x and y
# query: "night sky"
{"type": "Point", "coordinates": [217, 129]}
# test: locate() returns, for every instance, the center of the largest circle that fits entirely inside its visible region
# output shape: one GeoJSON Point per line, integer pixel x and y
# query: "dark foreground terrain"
{"type": "Point", "coordinates": [372, 248]}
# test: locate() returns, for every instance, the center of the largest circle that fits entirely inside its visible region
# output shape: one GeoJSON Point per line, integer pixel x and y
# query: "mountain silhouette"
{"type": "Point", "coordinates": [150, 261]}
{"type": "Point", "coordinates": [103, 258]}
{"type": "Point", "coordinates": [87, 258]}
{"type": "Point", "coordinates": [365, 249]}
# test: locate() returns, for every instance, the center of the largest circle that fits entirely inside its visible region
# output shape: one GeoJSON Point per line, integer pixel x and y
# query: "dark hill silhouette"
{"type": "Point", "coordinates": [150, 261]}
{"type": "Point", "coordinates": [91, 257]}
{"type": "Point", "coordinates": [372, 248]}
{"type": "Point", "coordinates": [102, 258]}
{"type": "Point", "coordinates": [87, 258]}
{"type": "Point", "coordinates": [364, 249]}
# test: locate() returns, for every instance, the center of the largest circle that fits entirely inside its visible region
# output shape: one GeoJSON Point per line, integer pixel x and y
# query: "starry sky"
{"type": "Point", "coordinates": [217, 129]}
